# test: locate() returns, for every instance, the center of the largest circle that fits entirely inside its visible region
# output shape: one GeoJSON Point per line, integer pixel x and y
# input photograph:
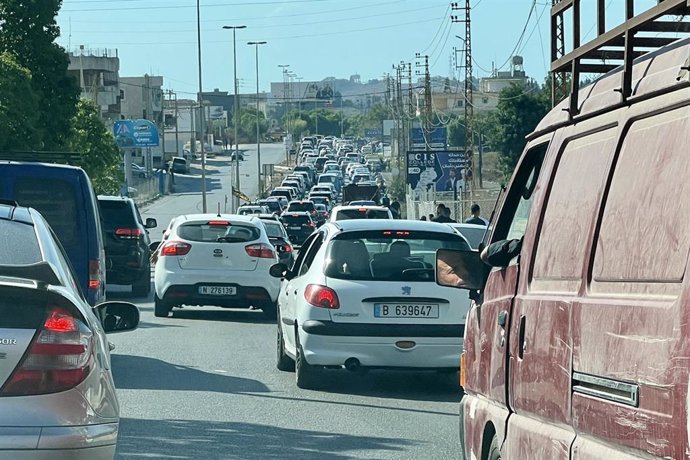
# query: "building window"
{"type": "Point", "coordinates": [122, 95]}
{"type": "Point", "coordinates": [485, 100]}
{"type": "Point", "coordinates": [459, 103]}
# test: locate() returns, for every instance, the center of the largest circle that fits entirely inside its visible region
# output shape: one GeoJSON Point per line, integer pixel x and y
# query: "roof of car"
{"type": "Point", "coordinates": [356, 206]}
{"type": "Point", "coordinates": [210, 216]}
{"type": "Point", "coordinates": [113, 198]}
{"type": "Point", "coordinates": [11, 211]}
{"type": "Point", "coordinates": [464, 225]}
{"type": "Point", "coordinates": [296, 213]}
{"type": "Point", "coordinates": [391, 224]}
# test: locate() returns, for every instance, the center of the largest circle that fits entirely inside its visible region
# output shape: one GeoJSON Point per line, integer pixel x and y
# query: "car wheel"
{"type": "Point", "coordinates": [306, 375]}
{"type": "Point", "coordinates": [494, 450]}
{"type": "Point", "coordinates": [160, 308]}
{"type": "Point", "coordinates": [142, 287]}
{"type": "Point", "coordinates": [269, 310]}
{"type": "Point", "coordinates": [284, 363]}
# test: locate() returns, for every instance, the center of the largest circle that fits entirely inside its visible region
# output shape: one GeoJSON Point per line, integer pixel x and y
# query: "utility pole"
{"type": "Point", "coordinates": [177, 129]}
{"type": "Point", "coordinates": [468, 90]}
{"type": "Point", "coordinates": [236, 114]}
{"type": "Point", "coordinates": [428, 111]}
{"type": "Point", "coordinates": [200, 99]}
{"type": "Point", "coordinates": [286, 110]}
{"type": "Point", "coordinates": [258, 134]}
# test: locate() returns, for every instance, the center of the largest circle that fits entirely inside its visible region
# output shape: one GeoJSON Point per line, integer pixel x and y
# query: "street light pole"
{"type": "Point", "coordinates": [258, 136]}
{"type": "Point", "coordinates": [236, 115]}
{"type": "Point", "coordinates": [201, 113]}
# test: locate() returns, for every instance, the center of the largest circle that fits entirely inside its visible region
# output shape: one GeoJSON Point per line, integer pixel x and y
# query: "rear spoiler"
{"type": "Point", "coordinates": [42, 272]}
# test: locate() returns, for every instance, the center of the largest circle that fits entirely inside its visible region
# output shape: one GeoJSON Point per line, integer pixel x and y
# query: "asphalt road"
{"type": "Point", "coordinates": [203, 383]}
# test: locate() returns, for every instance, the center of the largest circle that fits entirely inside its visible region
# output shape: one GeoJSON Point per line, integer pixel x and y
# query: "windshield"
{"type": "Point", "coordinates": [473, 235]}
{"type": "Point", "coordinates": [387, 255]}
{"type": "Point", "coordinates": [274, 229]}
{"type": "Point", "coordinates": [298, 207]}
{"type": "Point", "coordinates": [361, 213]}
{"type": "Point", "coordinates": [215, 231]}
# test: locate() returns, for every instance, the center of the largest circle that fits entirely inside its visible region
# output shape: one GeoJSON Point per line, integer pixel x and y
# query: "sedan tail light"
{"type": "Point", "coordinates": [59, 358]}
{"type": "Point", "coordinates": [129, 233]}
{"type": "Point", "coordinates": [175, 248]}
{"type": "Point", "coordinates": [261, 250]}
{"type": "Point", "coordinates": [321, 296]}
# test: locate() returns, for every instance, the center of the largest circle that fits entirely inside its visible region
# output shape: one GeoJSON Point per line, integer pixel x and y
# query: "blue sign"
{"type": "Point", "coordinates": [441, 171]}
{"type": "Point", "coordinates": [436, 138]}
{"type": "Point", "coordinates": [136, 133]}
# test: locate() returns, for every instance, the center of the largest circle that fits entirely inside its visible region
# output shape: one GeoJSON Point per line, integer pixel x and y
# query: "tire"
{"type": "Point", "coordinates": [160, 308]}
{"type": "Point", "coordinates": [494, 450]}
{"type": "Point", "coordinates": [269, 311]}
{"type": "Point", "coordinates": [306, 375]}
{"type": "Point", "coordinates": [142, 287]}
{"type": "Point", "coordinates": [284, 362]}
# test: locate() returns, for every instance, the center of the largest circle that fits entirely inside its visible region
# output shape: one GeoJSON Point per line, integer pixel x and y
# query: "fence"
{"type": "Point", "coordinates": [418, 206]}
{"type": "Point", "coordinates": [142, 190]}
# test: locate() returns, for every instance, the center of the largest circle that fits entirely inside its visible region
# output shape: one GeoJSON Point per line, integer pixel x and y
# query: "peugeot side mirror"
{"type": "Point", "coordinates": [118, 316]}
{"type": "Point", "coordinates": [279, 270]}
{"type": "Point", "coordinates": [151, 223]}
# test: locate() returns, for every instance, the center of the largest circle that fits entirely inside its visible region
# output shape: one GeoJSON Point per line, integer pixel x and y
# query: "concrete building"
{"type": "Point", "coordinates": [498, 81]}
{"type": "Point", "coordinates": [97, 71]}
{"type": "Point", "coordinates": [142, 97]}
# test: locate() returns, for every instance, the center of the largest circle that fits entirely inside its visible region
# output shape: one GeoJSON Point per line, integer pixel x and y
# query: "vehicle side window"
{"type": "Point", "coordinates": [644, 233]}
{"type": "Point", "coordinates": [512, 223]}
{"type": "Point", "coordinates": [302, 254]}
{"type": "Point", "coordinates": [571, 206]}
{"type": "Point", "coordinates": [311, 253]}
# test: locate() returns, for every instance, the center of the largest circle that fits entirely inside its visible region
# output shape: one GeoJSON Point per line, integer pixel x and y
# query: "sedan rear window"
{"type": "Point", "coordinates": [361, 213]}
{"type": "Point", "coordinates": [274, 229]}
{"type": "Point", "coordinates": [214, 231]}
{"type": "Point", "coordinates": [298, 220]}
{"type": "Point", "coordinates": [19, 243]}
{"type": "Point", "coordinates": [116, 214]}
{"type": "Point", "coordinates": [300, 207]}
{"type": "Point", "coordinates": [388, 255]}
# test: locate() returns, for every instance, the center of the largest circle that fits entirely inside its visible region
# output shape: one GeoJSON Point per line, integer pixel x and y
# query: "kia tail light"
{"type": "Point", "coordinates": [260, 250]}
{"type": "Point", "coordinates": [59, 358]}
{"type": "Point", "coordinates": [175, 248]}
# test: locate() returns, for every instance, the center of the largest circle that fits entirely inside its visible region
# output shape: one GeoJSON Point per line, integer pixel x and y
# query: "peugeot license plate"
{"type": "Point", "coordinates": [384, 310]}
{"type": "Point", "coordinates": [217, 290]}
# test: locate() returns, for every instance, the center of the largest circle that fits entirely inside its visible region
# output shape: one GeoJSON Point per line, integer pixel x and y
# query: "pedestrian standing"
{"type": "Point", "coordinates": [423, 218]}
{"type": "Point", "coordinates": [476, 218]}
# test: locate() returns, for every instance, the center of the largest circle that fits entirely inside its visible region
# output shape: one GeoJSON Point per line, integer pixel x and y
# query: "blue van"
{"type": "Point", "coordinates": [65, 197]}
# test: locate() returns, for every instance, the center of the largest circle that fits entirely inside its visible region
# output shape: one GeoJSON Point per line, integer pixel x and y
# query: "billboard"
{"type": "Point", "coordinates": [373, 133]}
{"type": "Point", "coordinates": [136, 133]}
{"type": "Point", "coordinates": [438, 171]}
{"type": "Point", "coordinates": [437, 138]}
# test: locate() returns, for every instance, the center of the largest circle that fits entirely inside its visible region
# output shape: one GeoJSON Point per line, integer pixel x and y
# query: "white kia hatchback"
{"type": "Point", "coordinates": [216, 259]}
{"type": "Point", "coordinates": [362, 294]}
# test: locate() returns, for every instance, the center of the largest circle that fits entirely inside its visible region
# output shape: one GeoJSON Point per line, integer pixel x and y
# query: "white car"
{"type": "Point", "coordinates": [340, 213]}
{"type": "Point", "coordinates": [326, 187]}
{"type": "Point", "coordinates": [473, 233]}
{"type": "Point", "coordinates": [249, 209]}
{"type": "Point", "coordinates": [216, 259]}
{"type": "Point", "coordinates": [362, 294]}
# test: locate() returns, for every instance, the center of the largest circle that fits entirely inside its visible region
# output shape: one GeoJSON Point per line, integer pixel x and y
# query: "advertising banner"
{"type": "Point", "coordinates": [136, 133]}
{"type": "Point", "coordinates": [437, 138]}
{"type": "Point", "coordinates": [439, 171]}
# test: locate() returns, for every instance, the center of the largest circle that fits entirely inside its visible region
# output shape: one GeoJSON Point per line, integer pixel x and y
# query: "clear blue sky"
{"type": "Point", "coordinates": [317, 38]}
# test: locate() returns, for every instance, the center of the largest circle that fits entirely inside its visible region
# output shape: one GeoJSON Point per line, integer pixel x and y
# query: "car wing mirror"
{"type": "Point", "coordinates": [279, 270]}
{"type": "Point", "coordinates": [151, 223]}
{"type": "Point", "coordinates": [154, 246]}
{"type": "Point", "coordinates": [462, 269]}
{"type": "Point", "coordinates": [118, 316]}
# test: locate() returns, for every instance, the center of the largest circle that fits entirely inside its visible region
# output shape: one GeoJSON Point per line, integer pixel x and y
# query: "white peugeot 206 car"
{"type": "Point", "coordinates": [216, 259]}
{"type": "Point", "coordinates": [362, 294]}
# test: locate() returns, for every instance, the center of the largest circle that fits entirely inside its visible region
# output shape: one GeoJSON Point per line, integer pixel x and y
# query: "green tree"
{"type": "Point", "coordinates": [100, 154]}
{"type": "Point", "coordinates": [520, 108]}
{"type": "Point", "coordinates": [18, 106]}
{"type": "Point", "coordinates": [247, 126]}
{"type": "Point", "coordinates": [28, 31]}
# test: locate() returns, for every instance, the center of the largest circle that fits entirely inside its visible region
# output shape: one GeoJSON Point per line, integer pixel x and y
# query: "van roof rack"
{"type": "Point", "coordinates": [610, 49]}
{"type": "Point", "coordinates": [69, 158]}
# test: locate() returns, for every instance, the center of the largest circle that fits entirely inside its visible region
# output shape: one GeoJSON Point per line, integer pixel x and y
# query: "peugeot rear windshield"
{"type": "Point", "coordinates": [388, 255]}
{"type": "Point", "coordinates": [361, 213]}
{"type": "Point", "coordinates": [308, 206]}
{"type": "Point", "coordinates": [218, 231]}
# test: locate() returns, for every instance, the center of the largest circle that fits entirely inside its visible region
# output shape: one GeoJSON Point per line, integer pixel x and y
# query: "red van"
{"type": "Point", "coordinates": [578, 342]}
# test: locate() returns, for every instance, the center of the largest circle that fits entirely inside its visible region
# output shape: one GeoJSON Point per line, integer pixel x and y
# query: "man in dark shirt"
{"type": "Point", "coordinates": [476, 219]}
{"type": "Point", "coordinates": [443, 216]}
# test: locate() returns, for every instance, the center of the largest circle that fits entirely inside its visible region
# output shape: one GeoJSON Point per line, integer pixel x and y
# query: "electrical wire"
{"type": "Point", "coordinates": [252, 3]}
{"type": "Point", "coordinates": [446, 17]}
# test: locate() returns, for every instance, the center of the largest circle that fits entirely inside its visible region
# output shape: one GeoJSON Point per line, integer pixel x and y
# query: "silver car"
{"type": "Point", "coordinates": [57, 397]}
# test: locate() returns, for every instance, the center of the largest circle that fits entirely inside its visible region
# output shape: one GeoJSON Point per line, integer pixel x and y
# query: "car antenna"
{"type": "Point", "coordinates": [219, 209]}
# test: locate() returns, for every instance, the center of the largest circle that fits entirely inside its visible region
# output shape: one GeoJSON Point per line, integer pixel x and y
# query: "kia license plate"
{"type": "Point", "coordinates": [384, 310]}
{"type": "Point", "coordinates": [217, 290]}
{"type": "Point", "coordinates": [295, 228]}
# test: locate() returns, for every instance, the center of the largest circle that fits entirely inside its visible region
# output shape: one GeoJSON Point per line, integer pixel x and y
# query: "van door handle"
{"type": "Point", "coordinates": [521, 338]}
{"type": "Point", "coordinates": [503, 319]}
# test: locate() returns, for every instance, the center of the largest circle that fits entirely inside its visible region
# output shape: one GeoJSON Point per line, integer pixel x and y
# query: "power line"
{"type": "Point", "coordinates": [281, 38]}
{"type": "Point", "coordinates": [446, 17]}
{"type": "Point", "coordinates": [132, 8]}
{"type": "Point", "coordinates": [269, 26]}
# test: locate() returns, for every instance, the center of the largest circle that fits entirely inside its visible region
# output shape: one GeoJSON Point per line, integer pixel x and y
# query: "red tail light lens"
{"type": "Point", "coordinates": [321, 296]}
{"type": "Point", "coordinates": [94, 274]}
{"type": "Point", "coordinates": [59, 358]}
{"type": "Point", "coordinates": [176, 248]}
{"type": "Point", "coordinates": [261, 250]}
{"type": "Point", "coordinates": [129, 233]}
{"type": "Point", "coordinates": [287, 248]}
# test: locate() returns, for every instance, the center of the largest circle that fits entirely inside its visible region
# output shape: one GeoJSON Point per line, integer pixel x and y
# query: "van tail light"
{"type": "Point", "coordinates": [59, 358]}
{"type": "Point", "coordinates": [260, 250]}
{"type": "Point", "coordinates": [321, 296]}
{"type": "Point", "coordinates": [176, 248]}
{"type": "Point", "coordinates": [463, 361]}
{"type": "Point", "coordinates": [129, 233]}
{"type": "Point", "coordinates": [94, 274]}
